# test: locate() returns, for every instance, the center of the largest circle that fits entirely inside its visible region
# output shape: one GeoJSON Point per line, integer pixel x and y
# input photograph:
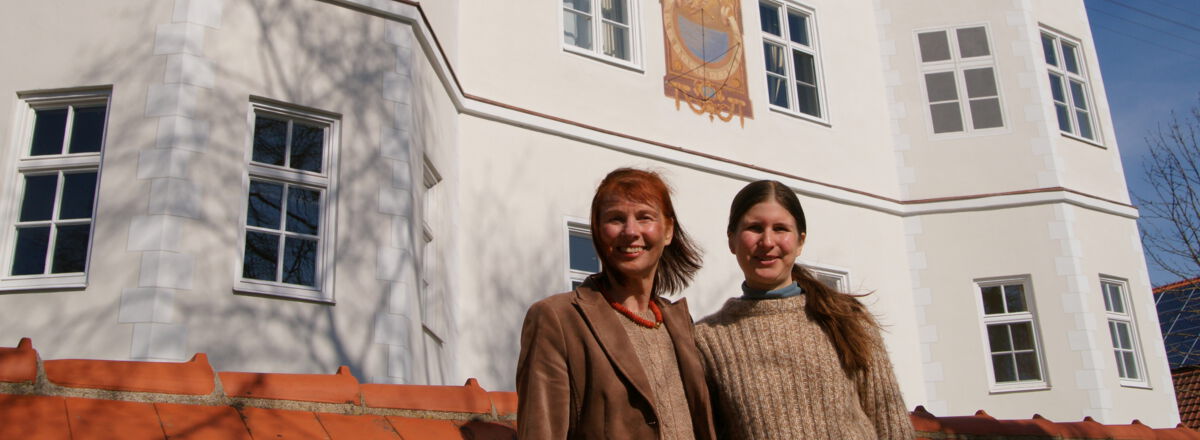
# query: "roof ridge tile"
{"type": "Point", "coordinates": [19, 364]}
{"type": "Point", "coordinates": [341, 387]}
{"type": "Point", "coordinates": [194, 377]}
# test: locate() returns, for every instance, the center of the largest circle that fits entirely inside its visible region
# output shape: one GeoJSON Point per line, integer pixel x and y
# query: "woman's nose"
{"type": "Point", "coordinates": [767, 240]}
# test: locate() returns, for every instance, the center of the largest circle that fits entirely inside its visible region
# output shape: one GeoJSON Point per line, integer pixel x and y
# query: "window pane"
{"type": "Point", "coordinates": [303, 210]}
{"type": "Point", "coordinates": [1077, 96]}
{"type": "Point", "coordinates": [1069, 61]}
{"type": "Point", "coordinates": [1048, 50]}
{"type": "Point", "coordinates": [1121, 371]}
{"type": "Point", "coordinates": [270, 140]}
{"type": "Point", "coordinates": [79, 192]}
{"type": "Point", "coordinates": [993, 301]}
{"type": "Point", "coordinates": [1112, 334]}
{"type": "Point", "coordinates": [946, 117]}
{"type": "Point", "coordinates": [1057, 90]}
{"type": "Point", "coordinates": [579, 5]}
{"type": "Point", "coordinates": [776, 59]}
{"type": "Point", "coordinates": [935, 46]}
{"type": "Point", "coordinates": [998, 338]}
{"type": "Point", "coordinates": [972, 42]}
{"type": "Point", "coordinates": [1108, 296]}
{"type": "Point", "coordinates": [30, 255]}
{"type": "Point", "coordinates": [262, 253]}
{"type": "Point", "coordinates": [806, 98]}
{"type": "Point", "coordinates": [87, 132]}
{"type": "Point", "coordinates": [777, 91]}
{"type": "Point", "coordinates": [48, 132]}
{"type": "Point", "coordinates": [70, 248]}
{"type": "Point", "coordinates": [1022, 335]}
{"type": "Point", "coordinates": [1124, 339]}
{"type": "Point", "coordinates": [1085, 124]}
{"type": "Point", "coordinates": [806, 70]}
{"type": "Point", "coordinates": [830, 281]}
{"type": "Point", "coordinates": [798, 28]}
{"type": "Point", "coordinates": [577, 29]}
{"type": "Point", "coordinates": [1131, 366]}
{"type": "Point", "coordinates": [300, 261]}
{"type": "Point", "coordinates": [985, 113]}
{"type": "Point", "coordinates": [1117, 300]}
{"type": "Point", "coordinates": [1004, 367]}
{"type": "Point", "coordinates": [38, 201]}
{"type": "Point", "coordinates": [616, 41]}
{"type": "Point", "coordinates": [980, 82]}
{"type": "Point", "coordinates": [264, 204]}
{"type": "Point", "coordinates": [308, 143]}
{"type": "Point", "coordinates": [1027, 366]}
{"type": "Point", "coordinates": [1014, 298]}
{"type": "Point", "coordinates": [1064, 117]}
{"type": "Point", "coordinates": [941, 86]}
{"type": "Point", "coordinates": [614, 10]}
{"type": "Point", "coordinates": [583, 254]}
{"type": "Point", "coordinates": [769, 15]}
{"type": "Point", "coordinates": [575, 284]}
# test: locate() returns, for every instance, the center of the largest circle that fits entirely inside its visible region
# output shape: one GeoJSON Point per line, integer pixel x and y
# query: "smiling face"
{"type": "Point", "coordinates": [631, 237]}
{"type": "Point", "coordinates": [766, 242]}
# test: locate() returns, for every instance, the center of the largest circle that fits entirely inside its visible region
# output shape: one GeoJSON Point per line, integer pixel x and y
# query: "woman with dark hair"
{"type": "Point", "coordinates": [613, 358]}
{"type": "Point", "coordinates": [792, 357]}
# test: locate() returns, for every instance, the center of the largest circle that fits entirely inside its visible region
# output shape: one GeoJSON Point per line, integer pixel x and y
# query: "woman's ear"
{"type": "Point", "coordinates": [670, 235]}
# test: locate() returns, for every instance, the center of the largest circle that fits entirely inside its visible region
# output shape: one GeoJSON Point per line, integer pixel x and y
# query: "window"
{"type": "Point", "coordinates": [835, 278]}
{"type": "Point", "coordinates": [434, 373]}
{"type": "Point", "coordinates": [793, 65]}
{"type": "Point", "coordinates": [1015, 356]}
{"type": "Point", "coordinates": [1122, 333]}
{"type": "Point", "coordinates": [57, 174]}
{"type": "Point", "coordinates": [286, 247]}
{"type": "Point", "coordinates": [581, 254]}
{"type": "Point", "coordinates": [1068, 85]}
{"type": "Point", "coordinates": [603, 28]}
{"type": "Point", "coordinates": [959, 76]}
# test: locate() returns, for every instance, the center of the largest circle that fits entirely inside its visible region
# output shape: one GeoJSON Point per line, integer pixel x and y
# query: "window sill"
{"type": "Point", "coordinates": [627, 65]}
{"type": "Point", "coordinates": [44, 282]}
{"type": "Point", "coordinates": [799, 115]}
{"type": "Point", "coordinates": [1135, 384]}
{"type": "Point", "coordinates": [262, 288]}
{"type": "Point", "coordinates": [1083, 139]}
{"type": "Point", "coordinates": [1018, 387]}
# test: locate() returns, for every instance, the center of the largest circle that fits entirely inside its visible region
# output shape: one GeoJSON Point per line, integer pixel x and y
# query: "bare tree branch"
{"type": "Point", "coordinates": [1170, 222]}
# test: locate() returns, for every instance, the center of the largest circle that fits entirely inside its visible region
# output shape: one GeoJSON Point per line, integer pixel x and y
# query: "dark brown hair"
{"type": "Point", "coordinates": [680, 259]}
{"type": "Point", "coordinates": [847, 321]}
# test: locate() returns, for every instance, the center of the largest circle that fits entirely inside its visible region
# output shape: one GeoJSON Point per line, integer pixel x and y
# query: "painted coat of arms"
{"type": "Point", "coordinates": [706, 63]}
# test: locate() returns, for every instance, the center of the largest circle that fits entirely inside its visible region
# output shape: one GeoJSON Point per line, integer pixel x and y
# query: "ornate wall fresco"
{"type": "Point", "coordinates": [706, 63]}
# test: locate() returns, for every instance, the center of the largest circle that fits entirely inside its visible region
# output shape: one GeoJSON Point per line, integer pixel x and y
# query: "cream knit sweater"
{"type": "Point", "coordinates": [774, 374]}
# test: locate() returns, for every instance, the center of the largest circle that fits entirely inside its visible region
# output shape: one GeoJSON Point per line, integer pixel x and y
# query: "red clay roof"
{"type": "Point", "coordinates": [1176, 285]}
{"type": "Point", "coordinates": [94, 399]}
{"type": "Point", "coordinates": [1187, 394]}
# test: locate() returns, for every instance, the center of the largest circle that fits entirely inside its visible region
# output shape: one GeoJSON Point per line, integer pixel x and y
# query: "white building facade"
{"type": "Point", "coordinates": [293, 185]}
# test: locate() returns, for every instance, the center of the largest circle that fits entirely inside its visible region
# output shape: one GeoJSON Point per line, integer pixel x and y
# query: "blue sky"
{"type": "Point", "coordinates": [1149, 52]}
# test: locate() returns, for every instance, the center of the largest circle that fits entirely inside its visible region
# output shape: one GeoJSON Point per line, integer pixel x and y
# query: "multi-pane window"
{"type": "Point", "coordinates": [1068, 85]}
{"type": "Point", "coordinates": [57, 175]}
{"type": "Point", "coordinates": [288, 209]}
{"type": "Point", "coordinates": [835, 279]}
{"type": "Point", "coordinates": [959, 74]}
{"type": "Point", "coordinates": [600, 27]}
{"type": "Point", "coordinates": [792, 61]}
{"type": "Point", "coordinates": [581, 254]}
{"type": "Point", "coordinates": [1012, 339]}
{"type": "Point", "coordinates": [1121, 331]}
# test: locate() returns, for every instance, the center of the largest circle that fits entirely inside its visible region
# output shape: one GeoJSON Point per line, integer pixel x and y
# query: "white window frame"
{"type": "Point", "coordinates": [1068, 77]}
{"type": "Point", "coordinates": [1030, 316]}
{"type": "Point", "coordinates": [580, 227]}
{"type": "Point", "coordinates": [21, 163]}
{"type": "Point", "coordinates": [597, 51]}
{"type": "Point", "coordinates": [326, 182]}
{"type": "Point", "coordinates": [1127, 318]}
{"type": "Point", "coordinates": [958, 66]}
{"type": "Point", "coordinates": [841, 274]}
{"type": "Point", "coordinates": [431, 295]}
{"type": "Point", "coordinates": [789, 46]}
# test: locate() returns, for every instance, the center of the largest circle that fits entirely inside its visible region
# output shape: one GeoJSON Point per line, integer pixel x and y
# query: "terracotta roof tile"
{"type": "Point", "coordinates": [469, 398]}
{"type": "Point", "coordinates": [282, 423]}
{"type": "Point", "coordinates": [365, 427]}
{"type": "Point", "coordinates": [410, 428]}
{"type": "Point", "coordinates": [18, 364]}
{"type": "Point", "coordinates": [112, 419]}
{"type": "Point", "coordinates": [194, 377]}
{"type": "Point", "coordinates": [197, 422]}
{"type": "Point", "coordinates": [33, 418]}
{"type": "Point", "coordinates": [337, 388]}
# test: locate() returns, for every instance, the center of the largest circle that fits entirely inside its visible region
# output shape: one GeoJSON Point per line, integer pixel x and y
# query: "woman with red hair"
{"type": "Point", "coordinates": [613, 358]}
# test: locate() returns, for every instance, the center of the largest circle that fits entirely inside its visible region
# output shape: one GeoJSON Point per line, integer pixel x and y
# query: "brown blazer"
{"type": "Point", "coordinates": [578, 376]}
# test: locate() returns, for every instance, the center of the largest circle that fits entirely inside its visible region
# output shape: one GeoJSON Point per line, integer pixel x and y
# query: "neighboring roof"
{"type": "Point", "coordinates": [97, 399]}
{"type": "Point", "coordinates": [1178, 307]}
{"type": "Point", "coordinates": [1187, 395]}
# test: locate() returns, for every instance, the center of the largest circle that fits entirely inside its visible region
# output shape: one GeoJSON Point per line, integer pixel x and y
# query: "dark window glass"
{"type": "Point", "coordinates": [30, 255]}
{"type": "Point", "coordinates": [946, 117]}
{"type": "Point", "coordinates": [980, 82]}
{"type": "Point", "coordinates": [577, 29]}
{"type": "Point", "coordinates": [1057, 90]}
{"type": "Point", "coordinates": [304, 210]}
{"type": "Point", "coordinates": [1014, 298]}
{"type": "Point", "coordinates": [37, 204]}
{"type": "Point", "coordinates": [1085, 125]}
{"type": "Point", "coordinates": [48, 132]}
{"type": "Point", "coordinates": [1004, 367]}
{"type": "Point", "coordinates": [1069, 61]}
{"type": "Point", "coordinates": [1131, 368]}
{"type": "Point", "coordinates": [583, 254]}
{"type": "Point", "coordinates": [935, 46]}
{"type": "Point", "coordinates": [87, 132]}
{"type": "Point", "coordinates": [614, 10]}
{"type": "Point", "coordinates": [1048, 50]}
{"type": "Point", "coordinates": [941, 86]}
{"type": "Point", "coordinates": [1064, 117]}
{"type": "Point", "coordinates": [798, 27]}
{"type": "Point", "coordinates": [307, 147]}
{"type": "Point", "coordinates": [972, 42]}
{"type": "Point", "coordinates": [270, 140]}
{"type": "Point", "coordinates": [993, 302]}
{"type": "Point", "coordinates": [616, 41]}
{"type": "Point", "coordinates": [985, 113]}
{"type": "Point", "coordinates": [579, 5]}
{"type": "Point", "coordinates": [777, 91]}
{"type": "Point", "coordinates": [806, 97]}
{"type": "Point", "coordinates": [1027, 366]}
{"type": "Point", "coordinates": [262, 254]}
{"type": "Point", "coordinates": [79, 193]}
{"type": "Point", "coordinates": [769, 14]}
{"type": "Point", "coordinates": [998, 339]}
{"type": "Point", "coordinates": [1022, 335]}
{"type": "Point", "coordinates": [264, 204]}
{"type": "Point", "coordinates": [776, 59]}
{"type": "Point", "coordinates": [70, 248]}
{"type": "Point", "coordinates": [300, 261]}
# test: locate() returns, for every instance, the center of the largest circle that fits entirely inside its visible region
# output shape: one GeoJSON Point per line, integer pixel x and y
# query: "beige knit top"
{"type": "Point", "coordinates": [657, 355]}
{"type": "Point", "coordinates": [775, 374]}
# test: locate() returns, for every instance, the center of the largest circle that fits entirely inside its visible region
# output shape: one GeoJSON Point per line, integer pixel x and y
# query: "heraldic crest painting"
{"type": "Point", "coordinates": [706, 63]}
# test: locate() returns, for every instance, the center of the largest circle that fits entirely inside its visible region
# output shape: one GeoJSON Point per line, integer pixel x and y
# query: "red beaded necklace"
{"type": "Point", "coordinates": [638, 319]}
